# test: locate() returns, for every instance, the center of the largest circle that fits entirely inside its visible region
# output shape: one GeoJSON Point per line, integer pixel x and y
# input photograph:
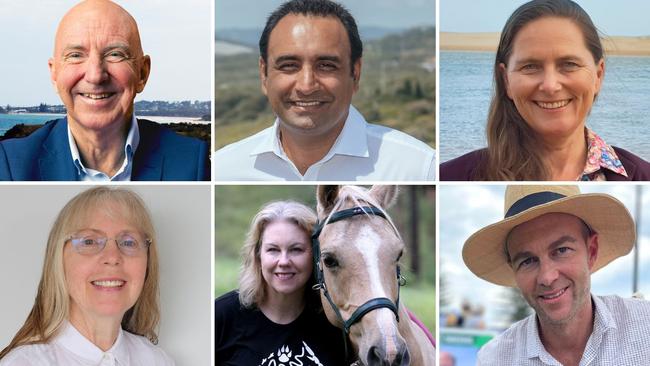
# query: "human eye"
{"type": "Point", "coordinates": [562, 251]}
{"type": "Point", "coordinates": [116, 56]}
{"type": "Point", "coordinates": [73, 57]}
{"type": "Point", "coordinates": [129, 242]}
{"type": "Point", "coordinates": [328, 66]}
{"type": "Point", "coordinates": [570, 65]}
{"type": "Point", "coordinates": [288, 66]}
{"type": "Point", "coordinates": [297, 250]}
{"type": "Point", "coordinates": [87, 241]}
{"type": "Point", "coordinates": [526, 263]}
{"type": "Point", "coordinates": [529, 68]}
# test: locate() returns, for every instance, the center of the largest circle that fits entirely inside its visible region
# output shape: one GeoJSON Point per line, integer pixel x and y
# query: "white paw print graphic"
{"type": "Point", "coordinates": [284, 354]}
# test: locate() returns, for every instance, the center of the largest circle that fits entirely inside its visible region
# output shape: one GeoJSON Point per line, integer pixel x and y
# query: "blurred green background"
{"type": "Point", "coordinates": [413, 214]}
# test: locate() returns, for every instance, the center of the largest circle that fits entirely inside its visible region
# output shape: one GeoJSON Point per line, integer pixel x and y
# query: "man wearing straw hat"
{"type": "Point", "coordinates": [550, 241]}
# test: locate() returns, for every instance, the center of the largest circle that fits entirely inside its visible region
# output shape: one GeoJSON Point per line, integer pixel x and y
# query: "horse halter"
{"type": "Point", "coordinates": [368, 306]}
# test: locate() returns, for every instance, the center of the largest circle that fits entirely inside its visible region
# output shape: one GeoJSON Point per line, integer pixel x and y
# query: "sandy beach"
{"type": "Point", "coordinates": [624, 46]}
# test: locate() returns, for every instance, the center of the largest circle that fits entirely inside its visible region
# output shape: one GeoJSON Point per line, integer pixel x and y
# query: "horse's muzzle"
{"type": "Point", "coordinates": [377, 357]}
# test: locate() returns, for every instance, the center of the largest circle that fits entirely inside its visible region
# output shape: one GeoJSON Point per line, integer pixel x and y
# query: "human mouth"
{"type": "Point", "coordinates": [108, 283]}
{"type": "Point", "coordinates": [97, 96]}
{"type": "Point", "coordinates": [553, 105]}
{"type": "Point", "coordinates": [551, 296]}
{"type": "Point", "coordinates": [307, 103]}
{"type": "Point", "coordinates": [285, 275]}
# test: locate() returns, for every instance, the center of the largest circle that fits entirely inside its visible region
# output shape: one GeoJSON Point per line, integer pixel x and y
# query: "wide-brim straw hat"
{"type": "Point", "coordinates": [484, 251]}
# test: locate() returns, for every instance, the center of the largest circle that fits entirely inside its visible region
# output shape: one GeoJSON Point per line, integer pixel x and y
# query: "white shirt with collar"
{"type": "Point", "coordinates": [123, 174]}
{"type": "Point", "coordinates": [362, 152]}
{"type": "Point", "coordinates": [70, 348]}
{"type": "Point", "coordinates": [620, 336]}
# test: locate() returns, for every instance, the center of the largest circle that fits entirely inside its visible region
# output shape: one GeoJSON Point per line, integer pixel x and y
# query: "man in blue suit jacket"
{"type": "Point", "coordinates": [161, 155]}
{"type": "Point", "coordinates": [98, 68]}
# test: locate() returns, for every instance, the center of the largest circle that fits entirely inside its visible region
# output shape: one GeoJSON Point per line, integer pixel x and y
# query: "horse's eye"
{"type": "Point", "coordinates": [330, 261]}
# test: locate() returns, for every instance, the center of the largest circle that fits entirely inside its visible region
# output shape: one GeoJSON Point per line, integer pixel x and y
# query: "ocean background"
{"type": "Point", "coordinates": [619, 115]}
{"type": "Point", "coordinates": [7, 121]}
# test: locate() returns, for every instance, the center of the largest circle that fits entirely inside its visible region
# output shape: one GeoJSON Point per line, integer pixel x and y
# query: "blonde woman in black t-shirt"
{"type": "Point", "coordinates": [274, 317]}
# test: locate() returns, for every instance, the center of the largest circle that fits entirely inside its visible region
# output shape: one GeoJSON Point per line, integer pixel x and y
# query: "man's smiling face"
{"type": "Point", "coordinates": [98, 66]}
{"type": "Point", "coordinates": [308, 77]}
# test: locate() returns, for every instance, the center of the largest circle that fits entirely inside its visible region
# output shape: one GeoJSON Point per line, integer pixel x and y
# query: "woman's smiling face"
{"type": "Point", "coordinates": [285, 256]}
{"type": "Point", "coordinates": [552, 77]}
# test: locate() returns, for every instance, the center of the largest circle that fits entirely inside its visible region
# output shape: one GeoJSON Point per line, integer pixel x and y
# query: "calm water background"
{"type": "Point", "coordinates": [7, 121]}
{"type": "Point", "coordinates": [619, 115]}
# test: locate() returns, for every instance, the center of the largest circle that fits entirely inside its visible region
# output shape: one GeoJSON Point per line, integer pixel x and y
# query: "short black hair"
{"type": "Point", "coordinates": [319, 8]}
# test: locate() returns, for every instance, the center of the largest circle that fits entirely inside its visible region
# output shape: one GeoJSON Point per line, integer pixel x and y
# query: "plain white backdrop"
{"type": "Point", "coordinates": [181, 216]}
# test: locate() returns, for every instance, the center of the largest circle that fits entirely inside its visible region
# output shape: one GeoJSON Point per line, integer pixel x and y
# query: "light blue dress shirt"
{"type": "Point", "coordinates": [362, 152]}
{"type": "Point", "coordinates": [123, 174]}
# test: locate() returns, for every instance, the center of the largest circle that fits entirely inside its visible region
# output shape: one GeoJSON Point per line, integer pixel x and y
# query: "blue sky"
{"type": "Point", "coordinates": [619, 18]}
{"type": "Point", "coordinates": [384, 13]}
{"type": "Point", "coordinates": [176, 34]}
{"type": "Point", "coordinates": [464, 209]}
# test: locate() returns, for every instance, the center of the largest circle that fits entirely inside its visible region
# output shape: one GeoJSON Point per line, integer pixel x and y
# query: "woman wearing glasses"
{"type": "Point", "coordinates": [97, 301]}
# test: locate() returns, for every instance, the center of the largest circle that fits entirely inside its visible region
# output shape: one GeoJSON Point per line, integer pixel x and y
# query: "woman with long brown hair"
{"type": "Point", "coordinates": [548, 71]}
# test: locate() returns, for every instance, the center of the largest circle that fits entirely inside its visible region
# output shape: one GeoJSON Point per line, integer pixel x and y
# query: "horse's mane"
{"type": "Point", "coordinates": [360, 197]}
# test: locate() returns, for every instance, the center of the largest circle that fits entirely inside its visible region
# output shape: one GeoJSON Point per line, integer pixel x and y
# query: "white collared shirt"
{"type": "Point", "coordinates": [362, 152]}
{"type": "Point", "coordinates": [124, 173]}
{"type": "Point", "coordinates": [620, 336]}
{"type": "Point", "coordinates": [71, 348]}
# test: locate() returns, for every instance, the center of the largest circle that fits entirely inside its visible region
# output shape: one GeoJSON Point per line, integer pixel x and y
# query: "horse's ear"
{"type": "Point", "coordinates": [326, 197]}
{"type": "Point", "coordinates": [385, 195]}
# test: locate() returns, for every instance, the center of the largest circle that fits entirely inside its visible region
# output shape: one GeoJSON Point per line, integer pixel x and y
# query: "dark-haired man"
{"type": "Point", "coordinates": [310, 66]}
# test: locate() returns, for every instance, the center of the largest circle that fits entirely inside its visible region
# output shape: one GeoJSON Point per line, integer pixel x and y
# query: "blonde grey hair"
{"type": "Point", "coordinates": [252, 290]}
{"type": "Point", "coordinates": [51, 307]}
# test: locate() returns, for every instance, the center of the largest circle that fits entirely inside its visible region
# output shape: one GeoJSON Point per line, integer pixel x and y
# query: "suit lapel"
{"type": "Point", "coordinates": [148, 159]}
{"type": "Point", "coordinates": [56, 161]}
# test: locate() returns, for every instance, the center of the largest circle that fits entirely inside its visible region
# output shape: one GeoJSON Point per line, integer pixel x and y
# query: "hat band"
{"type": "Point", "coordinates": [532, 200]}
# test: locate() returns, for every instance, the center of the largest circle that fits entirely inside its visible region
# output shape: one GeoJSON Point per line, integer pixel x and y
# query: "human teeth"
{"type": "Point", "coordinates": [96, 96]}
{"type": "Point", "coordinates": [116, 283]}
{"type": "Point", "coordinates": [553, 105]}
{"type": "Point", "coordinates": [284, 275]}
{"type": "Point", "coordinates": [554, 296]}
{"type": "Point", "coordinates": [307, 104]}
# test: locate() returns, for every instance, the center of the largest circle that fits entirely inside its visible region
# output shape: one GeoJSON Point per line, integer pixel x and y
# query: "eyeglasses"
{"type": "Point", "coordinates": [90, 242]}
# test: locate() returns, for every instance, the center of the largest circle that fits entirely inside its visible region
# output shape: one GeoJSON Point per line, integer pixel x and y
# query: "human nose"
{"type": "Point", "coordinates": [550, 81]}
{"type": "Point", "coordinates": [284, 259]}
{"type": "Point", "coordinates": [548, 273]}
{"type": "Point", "coordinates": [111, 253]}
{"type": "Point", "coordinates": [307, 82]}
{"type": "Point", "coordinates": [96, 72]}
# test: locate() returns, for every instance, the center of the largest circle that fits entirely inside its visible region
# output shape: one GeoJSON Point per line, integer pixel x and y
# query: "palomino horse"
{"type": "Point", "coordinates": [357, 249]}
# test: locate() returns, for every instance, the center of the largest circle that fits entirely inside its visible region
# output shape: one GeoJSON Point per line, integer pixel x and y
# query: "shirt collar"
{"type": "Point", "coordinates": [351, 141]}
{"type": "Point", "coordinates": [603, 320]}
{"type": "Point", "coordinates": [124, 173]}
{"type": "Point", "coordinates": [600, 156]}
{"type": "Point", "coordinates": [73, 341]}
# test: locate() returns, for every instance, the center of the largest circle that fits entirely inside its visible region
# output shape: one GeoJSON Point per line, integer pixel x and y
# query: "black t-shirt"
{"type": "Point", "coordinates": [246, 337]}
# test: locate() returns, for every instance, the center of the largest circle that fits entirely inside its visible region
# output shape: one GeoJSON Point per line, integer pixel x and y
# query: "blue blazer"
{"type": "Point", "coordinates": [161, 155]}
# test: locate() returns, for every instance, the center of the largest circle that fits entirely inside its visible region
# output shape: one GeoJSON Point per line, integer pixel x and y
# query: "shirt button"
{"type": "Point", "coordinates": [108, 359]}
